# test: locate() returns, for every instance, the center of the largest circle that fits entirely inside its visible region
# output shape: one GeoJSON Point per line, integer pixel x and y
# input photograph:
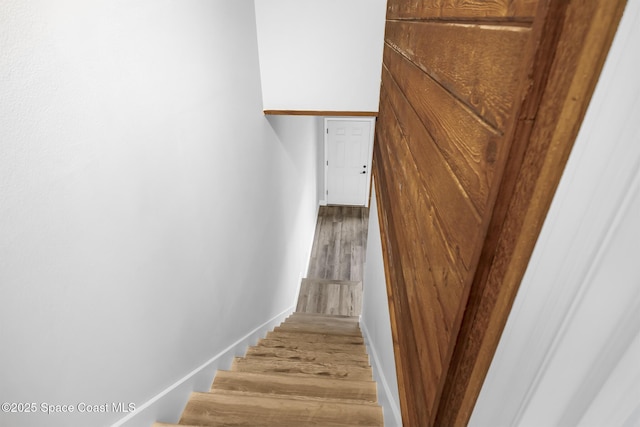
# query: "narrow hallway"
{"type": "Point", "coordinates": [334, 281]}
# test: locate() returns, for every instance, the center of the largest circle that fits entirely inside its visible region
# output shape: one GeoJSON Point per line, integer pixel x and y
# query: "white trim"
{"type": "Point", "coordinates": [390, 408]}
{"type": "Point", "coordinates": [369, 160]}
{"type": "Point", "coordinates": [176, 395]}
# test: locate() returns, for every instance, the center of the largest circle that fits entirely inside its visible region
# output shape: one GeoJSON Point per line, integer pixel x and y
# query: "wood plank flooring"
{"type": "Point", "coordinates": [336, 268]}
{"type": "Point", "coordinates": [339, 244]}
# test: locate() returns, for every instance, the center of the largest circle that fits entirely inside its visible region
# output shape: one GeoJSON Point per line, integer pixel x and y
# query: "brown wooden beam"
{"type": "Point", "coordinates": [320, 113]}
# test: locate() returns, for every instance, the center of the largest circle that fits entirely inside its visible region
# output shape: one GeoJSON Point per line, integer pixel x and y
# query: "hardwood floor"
{"type": "Point", "coordinates": [339, 244]}
{"type": "Point", "coordinates": [334, 280]}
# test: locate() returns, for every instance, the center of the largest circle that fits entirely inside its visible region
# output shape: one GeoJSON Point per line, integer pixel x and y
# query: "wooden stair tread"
{"type": "Point", "coordinates": [336, 317]}
{"type": "Point", "coordinates": [360, 359]}
{"type": "Point", "coordinates": [345, 323]}
{"type": "Point", "coordinates": [291, 385]}
{"type": "Point", "coordinates": [327, 399]}
{"type": "Point", "coordinates": [230, 410]}
{"type": "Point", "coordinates": [295, 336]}
{"type": "Point", "coordinates": [322, 370]}
{"type": "Point", "coordinates": [315, 281]}
{"type": "Point", "coordinates": [312, 346]}
{"type": "Point", "coordinates": [318, 329]}
{"type": "Point", "coordinates": [330, 297]}
{"type": "Point", "coordinates": [157, 424]}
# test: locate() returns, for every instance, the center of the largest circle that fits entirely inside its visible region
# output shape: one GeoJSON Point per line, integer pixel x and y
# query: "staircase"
{"type": "Point", "coordinates": [312, 370]}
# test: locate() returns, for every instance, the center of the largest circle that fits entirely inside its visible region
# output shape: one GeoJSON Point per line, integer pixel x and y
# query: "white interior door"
{"type": "Point", "coordinates": [349, 144]}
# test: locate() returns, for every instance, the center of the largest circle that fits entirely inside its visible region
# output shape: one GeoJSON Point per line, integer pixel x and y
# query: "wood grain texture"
{"type": "Point", "coordinates": [427, 174]}
{"type": "Point", "coordinates": [450, 97]}
{"type": "Point", "coordinates": [229, 410]}
{"type": "Point", "coordinates": [411, 389]}
{"type": "Point", "coordinates": [281, 342]}
{"type": "Point", "coordinates": [579, 36]}
{"type": "Point", "coordinates": [486, 81]}
{"type": "Point", "coordinates": [322, 318]}
{"type": "Point", "coordinates": [296, 397]}
{"type": "Point", "coordinates": [523, 10]}
{"type": "Point", "coordinates": [364, 391]}
{"type": "Point", "coordinates": [469, 146]}
{"type": "Point", "coordinates": [336, 297]}
{"type": "Point", "coordinates": [301, 378]}
{"type": "Point", "coordinates": [308, 369]}
{"type": "Point", "coordinates": [433, 255]}
{"type": "Point", "coordinates": [320, 113]}
{"type": "Point", "coordinates": [339, 244]}
{"type": "Point", "coordinates": [311, 328]}
{"type": "Point", "coordinates": [309, 355]}
{"type": "Point", "coordinates": [302, 337]}
{"type": "Point", "coordinates": [479, 100]}
{"type": "Point", "coordinates": [171, 425]}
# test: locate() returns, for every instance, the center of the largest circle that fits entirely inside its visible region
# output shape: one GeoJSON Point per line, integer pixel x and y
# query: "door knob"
{"type": "Point", "coordinates": [363, 172]}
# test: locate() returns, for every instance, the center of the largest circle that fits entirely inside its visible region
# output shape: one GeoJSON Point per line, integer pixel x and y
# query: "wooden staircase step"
{"type": "Point", "coordinates": [315, 281]}
{"type": "Point", "coordinates": [329, 399]}
{"type": "Point", "coordinates": [208, 409]}
{"type": "Point", "coordinates": [308, 356]}
{"type": "Point", "coordinates": [311, 328]}
{"type": "Point", "coordinates": [312, 370]}
{"type": "Point", "coordinates": [330, 297]}
{"type": "Point", "coordinates": [295, 336]}
{"type": "Point", "coordinates": [156, 424]}
{"type": "Point", "coordinates": [316, 370]}
{"type": "Point", "coordinates": [312, 346]}
{"type": "Point", "coordinates": [344, 323]}
{"type": "Point", "coordinates": [318, 317]}
{"type": "Point", "coordinates": [291, 385]}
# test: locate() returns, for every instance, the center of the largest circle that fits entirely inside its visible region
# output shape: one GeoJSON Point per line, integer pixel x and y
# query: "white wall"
{"type": "Point", "coordinates": [320, 54]}
{"type": "Point", "coordinates": [570, 352]}
{"type": "Point", "coordinates": [376, 324]}
{"type": "Point", "coordinates": [150, 216]}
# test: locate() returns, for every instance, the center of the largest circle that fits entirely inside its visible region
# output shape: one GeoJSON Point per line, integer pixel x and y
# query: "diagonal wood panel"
{"type": "Point", "coordinates": [469, 9]}
{"type": "Point", "coordinates": [449, 101]}
{"type": "Point", "coordinates": [488, 78]}
{"type": "Point", "coordinates": [404, 344]}
{"type": "Point", "coordinates": [469, 146]}
{"type": "Point", "coordinates": [464, 143]}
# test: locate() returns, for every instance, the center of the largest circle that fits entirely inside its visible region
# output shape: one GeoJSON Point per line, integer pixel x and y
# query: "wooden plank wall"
{"type": "Point", "coordinates": [480, 103]}
{"type": "Point", "coordinates": [454, 74]}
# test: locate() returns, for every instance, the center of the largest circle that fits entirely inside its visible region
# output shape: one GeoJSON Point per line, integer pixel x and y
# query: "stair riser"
{"type": "Point", "coordinates": [317, 338]}
{"type": "Point", "coordinates": [364, 391]}
{"type": "Point", "coordinates": [212, 409]}
{"type": "Point", "coordinates": [309, 356]}
{"type": "Point", "coordinates": [317, 370]}
{"type": "Point", "coordinates": [311, 346]}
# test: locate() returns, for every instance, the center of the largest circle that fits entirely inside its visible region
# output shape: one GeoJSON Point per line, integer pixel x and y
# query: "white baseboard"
{"type": "Point", "coordinates": [167, 405]}
{"type": "Point", "coordinates": [390, 407]}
